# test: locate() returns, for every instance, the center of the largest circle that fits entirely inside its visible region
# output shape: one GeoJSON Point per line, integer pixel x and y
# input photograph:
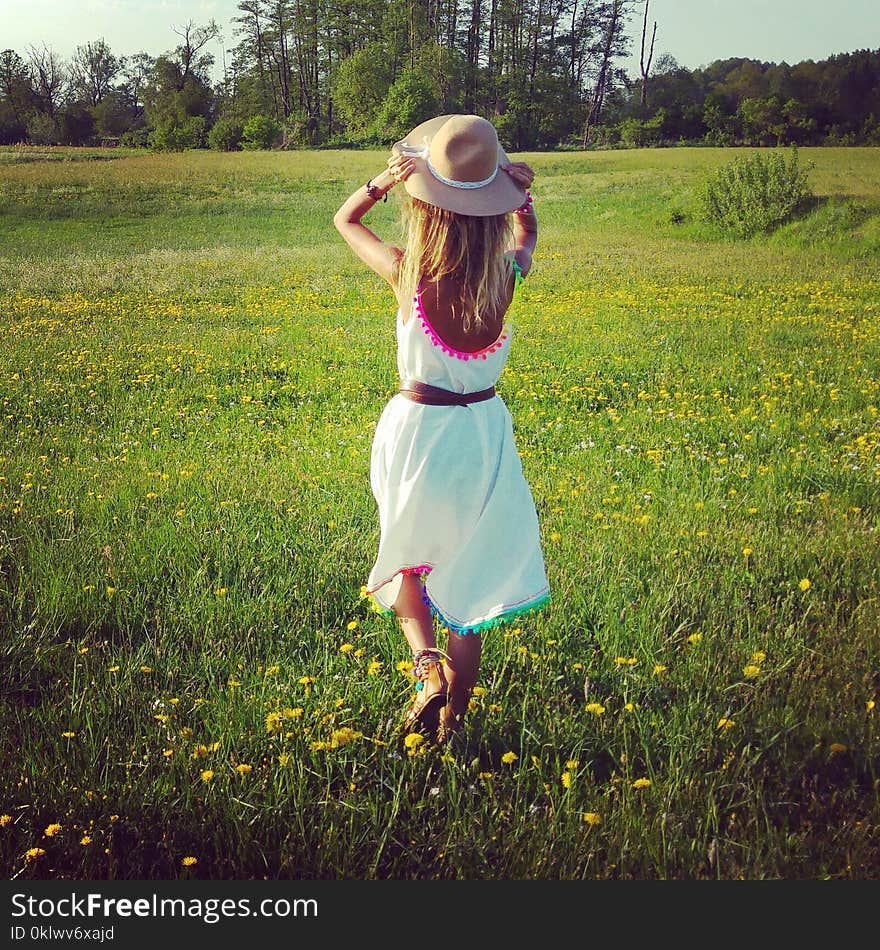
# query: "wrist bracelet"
{"type": "Point", "coordinates": [527, 206]}
{"type": "Point", "coordinates": [374, 192]}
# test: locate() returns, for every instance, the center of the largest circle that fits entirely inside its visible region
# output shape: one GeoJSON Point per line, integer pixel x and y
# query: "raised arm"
{"type": "Point", "coordinates": [369, 247]}
{"type": "Point", "coordinates": [525, 223]}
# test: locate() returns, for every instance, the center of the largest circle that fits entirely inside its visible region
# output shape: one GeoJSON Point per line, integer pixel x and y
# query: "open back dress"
{"type": "Point", "coordinates": [454, 505]}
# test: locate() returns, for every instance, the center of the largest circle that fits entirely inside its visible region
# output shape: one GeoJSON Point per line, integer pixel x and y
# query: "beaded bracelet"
{"type": "Point", "coordinates": [527, 206]}
{"type": "Point", "coordinates": [374, 192]}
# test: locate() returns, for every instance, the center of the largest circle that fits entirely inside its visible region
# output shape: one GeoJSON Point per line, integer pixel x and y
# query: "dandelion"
{"type": "Point", "coordinates": [751, 671]}
{"type": "Point", "coordinates": [484, 776]}
{"type": "Point", "coordinates": [592, 818]}
{"type": "Point", "coordinates": [747, 551]}
{"type": "Point", "coordinates": [804, 583]}
{"type": "Point", "coordinates": [52, 830]}
{"type": "Point", "coordinates": [243, 768]}
{"type": "Point", "coordinates": [695, 637]}
{"type": "Point", "coordinates": [85, 841]}
{"type": "Point", "coordinates": [346, 648]}
{"type": "Point", "coordinates": [572, 764]}
{"type": "Point", "coordinates": [4, 820]}
{"type": "Point", "coordinates": [189, 861]}
{"type": "Point", "coordinates": [343, 736]}
{"type": "Point", "coordinates": [725, 723]}
{"type": "Point", "coordinates": [759, 656]}
{"type": "Point", "coordinates": [625, 660]}
{"type": "Point", "coordinates": [869, 705]}
{"type": "Point", "coordinates": [32, 854]}
{"type": "Point", "coordinates": [413, 740]}
{"type": "Point", "coordinates": [659, 669]}
{"type": "Point", "coordinates": [112, 669]}
{"type": "Point", "coordinates": [565, 778]}
{"type": "Point", "coordinates": [207, 775]}
{"type": "Point", "coordinates": [374, 668]}
{"type": "Point", "coordinates": [352, 625]}
{"type": "Point", "coordinates": [199, 752]}
{"type": "Point", "coordinates": [68, 735]}
{"type": "Point", "coordinates": [642, 783]}
{"type": "Point", "coordinates": [479, 691]}
{"type": "Point", "coordinates": [597, 709]}
{"type": "Point", "coordinates": [284, 758]}
{"type": "Point", "coordinates": [629, 707]}
{"type": "Point", "coordinates": [509, 758]}
{"type": "Point", "coordinates": [221, 591]}
{"type": "Point", "coordinates": [111, 591]}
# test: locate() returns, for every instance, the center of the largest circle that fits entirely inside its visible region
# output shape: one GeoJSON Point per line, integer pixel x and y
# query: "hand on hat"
{"type": "Point", "coordinates": [400, 167]}
{"type": "Point", "coordinates": [520, 172]}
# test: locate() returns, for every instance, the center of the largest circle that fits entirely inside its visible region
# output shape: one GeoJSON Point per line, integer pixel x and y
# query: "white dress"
{"type": "Point", "coordinates": [454, 506]}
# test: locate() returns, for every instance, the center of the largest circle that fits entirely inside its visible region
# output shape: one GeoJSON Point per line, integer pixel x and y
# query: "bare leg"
{"type": "Point", "coordinates": [417, 625]}
{"type": "Point", "coordinates": [414, 615]}
{"type": "Point", "coordinates": [462, 669]}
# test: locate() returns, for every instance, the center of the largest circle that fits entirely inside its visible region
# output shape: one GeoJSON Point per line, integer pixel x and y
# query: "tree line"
{"type": "Point", "coordinates": [343, 73]}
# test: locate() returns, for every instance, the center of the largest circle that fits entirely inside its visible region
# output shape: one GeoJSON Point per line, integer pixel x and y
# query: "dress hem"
{"type": "Point", "coordinates": [506, 615]}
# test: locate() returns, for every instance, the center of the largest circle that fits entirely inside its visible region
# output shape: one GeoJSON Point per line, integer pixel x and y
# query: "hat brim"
{"type": "Point", "coordinates": [500, 196]}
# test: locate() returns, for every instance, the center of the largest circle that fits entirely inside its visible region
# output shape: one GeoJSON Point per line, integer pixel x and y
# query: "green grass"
{"type": "Point", "coordinates": [191, 364]}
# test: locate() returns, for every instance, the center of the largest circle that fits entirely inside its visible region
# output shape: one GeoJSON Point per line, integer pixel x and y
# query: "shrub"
{"type": "Point", "coordinates": [225, 136]}
{"type": "Point", "coordinates": [261, 131]}
{"type": "Point", "coordinates": [756, 193]}
{"type": "Point", "coordinates": [135, 138]}
{"type": "Point", "coordinates": [176, 136]}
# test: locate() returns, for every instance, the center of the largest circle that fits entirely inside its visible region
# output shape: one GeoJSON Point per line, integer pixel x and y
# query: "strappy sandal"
{"type": "Point", "coordinates": [432, 693]}
{"type": "Point", "coordinates": [449, 725]}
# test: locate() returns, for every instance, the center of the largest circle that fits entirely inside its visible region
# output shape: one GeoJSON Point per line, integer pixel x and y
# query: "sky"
{"type": "Point", "coordinates": [695, 32]}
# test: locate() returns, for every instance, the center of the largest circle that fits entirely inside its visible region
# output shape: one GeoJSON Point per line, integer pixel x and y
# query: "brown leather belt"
{"type": "Point", "coordinates": [429, 395]}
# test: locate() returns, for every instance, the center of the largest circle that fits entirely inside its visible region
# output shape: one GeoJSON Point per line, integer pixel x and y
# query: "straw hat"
{"type": "Point", "coordinates": [457, 160]}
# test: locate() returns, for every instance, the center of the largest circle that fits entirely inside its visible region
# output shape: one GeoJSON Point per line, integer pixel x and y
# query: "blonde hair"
{"type": "Point", "coordinates": [468, 247]}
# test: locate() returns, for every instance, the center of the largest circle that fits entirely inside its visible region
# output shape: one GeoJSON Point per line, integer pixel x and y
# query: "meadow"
{"type": "Point", "coordinates": [191, 365]}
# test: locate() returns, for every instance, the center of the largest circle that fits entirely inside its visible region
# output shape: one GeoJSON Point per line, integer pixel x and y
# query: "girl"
{"type": "Point", "coordinates": [459, 531]}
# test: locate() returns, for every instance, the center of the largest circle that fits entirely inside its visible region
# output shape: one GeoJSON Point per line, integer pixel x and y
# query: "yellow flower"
{"type": "Point", "coordinates": [484, 776]}
{"type": "Point", "coordinates": [68, 735]}
{"type": "Point", "coordinates": [592, 817]}
{"type": "Point", "coordinates": [33, 853]}
{"type": "Point", "coordinates": [221, 591]}
{"type": "Point", "coordinates": [595, 708]}
{"type": "Point", "coordinates": [346, 648]}
{"type": "Point", "coordinates": [199, 752]}
{"type": "Point", "coordinates": [659, 669]}
{"type": "Point", "coordinates": [759, 656]}
{"type": "Point", "coordinates": [85, 840]}
{"type": "Point", "coordinates": [243, 768]}
{"type": "Point", "coordinates": [804, 583]}
{"type": "Point", "coordinates": [189, 861]}
{"type": "Point", "coordinates": [572, 764]}
{"type": "Point", "coordinates": [351, 625]}
{"type": "Point", "coordinates": [374, 668]}
{"type": "Point", "coordinates": [284, 758]}
{"type": "Point", "coordinates": [565, 778]}
{"type": "Point", "coordinates": [509, 758]}
{"type": "Point", "coordinates": [642, 783]}
{"type": "Point", "coordinates": [629, 707]}
{"type": "Point", "coordinates": [111, 591]}
{"type": "Point", "coordinates": [112, 669]}
{"type": "Point", "coordinates": [724, 723]}
{"type": "Point", "coordinates": [207, 775]}
{"type": "Point", "coordinates": [52, 830]}
{"type": "Point", "coordinates": [306, 680]}
{"type": "Point", "coordinates": [695, 637]}
{"type": "Point", "coordinates": [837, 747]}
{"type": "Point", "coordinates": [413, 740]}
{"type": "Point", "coordinates": [751, 671]}
{"type": "Point", "coordinates": [479, 691]}
{"type": "Point", "coordinates": [869, 705]}
{"type": "Point", "coordinates": [343, 736]}
{"type": "Point", "coordinates": [4, 820]}
{"type": "Point", "coordinates": [405, 667]}
{"type": "Point", "coordinates": [747, 552]}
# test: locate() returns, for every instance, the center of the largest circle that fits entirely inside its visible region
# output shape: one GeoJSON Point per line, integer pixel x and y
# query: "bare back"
{"type": "Point", "coordinates": [438, 299]}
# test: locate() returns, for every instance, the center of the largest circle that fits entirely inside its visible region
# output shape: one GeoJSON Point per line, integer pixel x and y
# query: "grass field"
{"type": "Point", "coordinates": [191, 365]}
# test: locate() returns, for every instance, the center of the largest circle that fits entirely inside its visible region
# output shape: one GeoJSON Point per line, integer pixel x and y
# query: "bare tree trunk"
{"type": "Point", "coordinates": [643, 98]}
{"type": "Point", "coordinates": [602, 78]}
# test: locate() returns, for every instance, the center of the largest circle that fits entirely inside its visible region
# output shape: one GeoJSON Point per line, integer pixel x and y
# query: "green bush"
{"type": "Point", "coordinates": [173, 136]}
{"type": "Point", "coordinates": [756, 193]}
{"type": "Point", "coordinates": [225, 136]}
{"type": "Point", "coordinates": [261, 131]}
{"type": "Point", "coordinates": [135, 138]}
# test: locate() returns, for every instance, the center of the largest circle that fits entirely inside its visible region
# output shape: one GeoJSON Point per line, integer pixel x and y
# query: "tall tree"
{"type": "Point", "coordinates": [645, 67]}
{"type": "Point", "coordinates": [613, 14]}
{"type": "Point", "coordinates": [47, 75]}
{"type": "Point", "coordinates": [92, 71]}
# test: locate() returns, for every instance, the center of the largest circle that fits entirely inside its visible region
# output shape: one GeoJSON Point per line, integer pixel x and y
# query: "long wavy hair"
{"type": "Point", "coordinates": [469, 248]}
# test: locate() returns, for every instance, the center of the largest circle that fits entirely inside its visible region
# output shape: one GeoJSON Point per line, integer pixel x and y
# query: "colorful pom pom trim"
{"type": "Point", "coordinates": [512, 613]}
{"type": "Point", "coordinates": [461, 354]}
